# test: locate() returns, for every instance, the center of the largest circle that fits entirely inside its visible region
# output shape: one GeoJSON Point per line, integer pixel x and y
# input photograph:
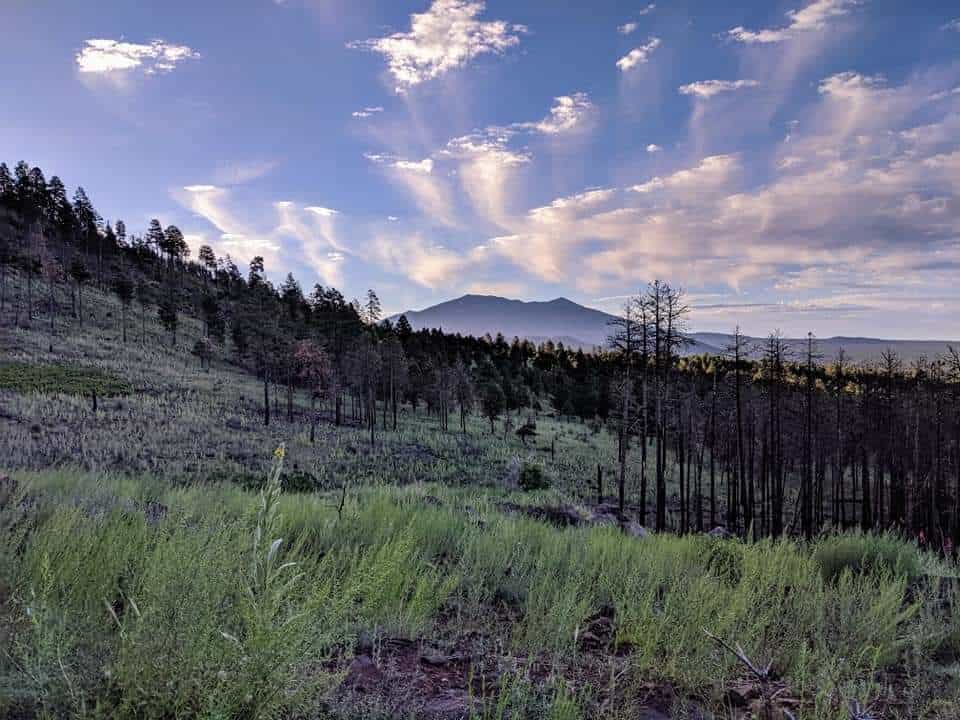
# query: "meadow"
{"type": "Point", "coordinates": [166, 555]}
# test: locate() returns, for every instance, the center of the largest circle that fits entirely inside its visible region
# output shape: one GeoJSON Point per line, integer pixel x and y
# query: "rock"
{"type": "Point", "coordinates": [436, 659]}
{"type": "Point", "coordinates": [635, 529]}
{"type": "Point", "coordinates": [234, 423]}
{"type": "Point", "coordinates": [721, 533]}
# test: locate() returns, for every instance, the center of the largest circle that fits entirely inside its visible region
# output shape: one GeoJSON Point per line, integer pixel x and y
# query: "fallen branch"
{"type": "Point", "coordinates": [762, 674]}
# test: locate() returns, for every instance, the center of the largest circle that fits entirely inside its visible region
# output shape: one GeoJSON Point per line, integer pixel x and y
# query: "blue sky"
{"type": "Point", "coordinates": [790, 164]}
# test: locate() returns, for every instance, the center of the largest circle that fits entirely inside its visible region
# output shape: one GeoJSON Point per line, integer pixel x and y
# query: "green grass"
{"type": "Point", "coordinates": [396, 565]}
{"type": "Point", "coordinates": [62, 378]}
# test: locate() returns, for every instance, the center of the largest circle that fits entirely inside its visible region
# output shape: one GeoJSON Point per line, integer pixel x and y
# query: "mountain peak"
{"type": "Point", "coordinates": [559, 319]}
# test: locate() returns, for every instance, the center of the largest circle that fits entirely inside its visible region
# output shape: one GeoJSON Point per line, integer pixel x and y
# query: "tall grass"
{"type": "Point", "coordinates": [202, 613]}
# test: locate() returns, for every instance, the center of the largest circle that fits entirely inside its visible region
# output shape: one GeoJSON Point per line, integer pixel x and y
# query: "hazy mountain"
{"type": "Point", "coordinates": [560, 320]}
{"type": "Point", "coordinates": [478, 315]}
{"type": "Point", "coordinates": [563, 320]}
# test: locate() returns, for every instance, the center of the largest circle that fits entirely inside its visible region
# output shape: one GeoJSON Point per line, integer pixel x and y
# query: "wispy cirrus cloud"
{"type": "Point", "coordinates": [709, 88]}
{"type": "Point", "coordinates": [639, 55]}
{"type": "Point", "coordinates": [240, 173]}
{"type": "Point", "coordinates": [815, 16]}
{"type": "Point", "coordinates": [447, 36]}
{"type": "Point", "coordinates": [101, 56]}
{"type": "Point", "coordinates": [283, 233]}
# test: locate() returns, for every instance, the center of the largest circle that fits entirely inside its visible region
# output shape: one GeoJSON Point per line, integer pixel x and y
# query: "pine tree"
{"type": "Point", "coordinates": [154, 238]}
{"type": "Point", "coordinates": [167, 314]}
{"type": "Point", "coordinates": [372, 308]}
{"type": "Point", "coordinates": [124, 289]}
{"type": "Point", "coordinates": [80, 276]}
{"type": "Point", "coordinates": [7, 187]}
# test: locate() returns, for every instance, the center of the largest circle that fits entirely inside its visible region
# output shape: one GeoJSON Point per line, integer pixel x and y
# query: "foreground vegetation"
{"type": "Point", "coordinates": [129, 598]}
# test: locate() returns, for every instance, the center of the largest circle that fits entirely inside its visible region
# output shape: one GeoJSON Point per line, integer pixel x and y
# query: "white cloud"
{"type": "Point", "coordinates": [392, 218]}
{"type": "Point", "coordinates": [814, 16]}
{"type": "Point", "coordinates": [100, 56]}
{"type": "Point", "coordinates": [424, 166]}
{"type": "Point", "coordinates": [568, 112]}
{"type": "Point", "coordinates": [653, 148]}
{"type": "Point", "coordinates": [638, 55]}
{"type": "Point", "coordinates": [322, 211]}
{"type": "Point", "coordinates": [629, 27]}
{"type": "Point", "coordinates": [422, 261]}
{"type": "Point", "coordinates": [367, 112]}
{"type": "Point", "coordinates": [952, 25]}
{"type": "Point", "coordinates": [709, 88]}
{"type": "Point", "coordinates": [712, 174]}
{"type": "Point", "coordinates": [447, 36]}
{"type": "Point", "coordinates": [420, 166]}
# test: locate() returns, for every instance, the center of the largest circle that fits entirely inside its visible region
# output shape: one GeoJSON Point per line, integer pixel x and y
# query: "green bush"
{"type": "Point", "coordinates": [725, 559]}
{"type": "Point", "coordinates": [866, 555]}
{"type": "Point", "coordinates": [292, 481]}
{"type": "Point", "coordinates": [52, 378]}
{"type": "Point", "coordinates": [532, 477]}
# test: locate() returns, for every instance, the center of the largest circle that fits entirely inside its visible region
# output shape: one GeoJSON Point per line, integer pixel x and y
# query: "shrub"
{"type": "Point", "coordinates": [866, 554]}
{"type": "Point", "coordinates": [63, 378]}
{"type": "Point", "coordinates": [725, 560]}
{"type": "Point", "coordinates": [532, 477]}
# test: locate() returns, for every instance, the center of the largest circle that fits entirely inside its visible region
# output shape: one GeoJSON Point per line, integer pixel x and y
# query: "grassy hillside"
{"type": "Point", "coordinates": [162, 558]}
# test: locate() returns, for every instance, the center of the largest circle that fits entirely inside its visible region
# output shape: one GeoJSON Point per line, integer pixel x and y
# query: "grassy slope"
{"type": "Point", "coordinates": [183, 423]}
{"type": "Point", "coordinates": [432, 560]}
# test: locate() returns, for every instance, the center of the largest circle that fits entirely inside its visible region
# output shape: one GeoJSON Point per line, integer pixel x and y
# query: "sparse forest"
{"type": "Point", "coordinates": [780, 444]}
{"type": "Point", "coordinates": [514, 503]}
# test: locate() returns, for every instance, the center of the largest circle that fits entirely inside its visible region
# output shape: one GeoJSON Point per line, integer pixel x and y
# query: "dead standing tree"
{"type": "Point", "coordinates": [624, 339]}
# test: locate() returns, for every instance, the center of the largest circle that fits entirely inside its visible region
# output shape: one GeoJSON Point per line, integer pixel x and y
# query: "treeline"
{"type": "Point", "coordinates": [766, 447]}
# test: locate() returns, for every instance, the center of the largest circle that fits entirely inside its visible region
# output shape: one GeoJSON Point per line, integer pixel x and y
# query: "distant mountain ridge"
{"type": "Point", "coordinates": [558, 319]}
{"type": "Point", "coordinates": [576, 326]}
